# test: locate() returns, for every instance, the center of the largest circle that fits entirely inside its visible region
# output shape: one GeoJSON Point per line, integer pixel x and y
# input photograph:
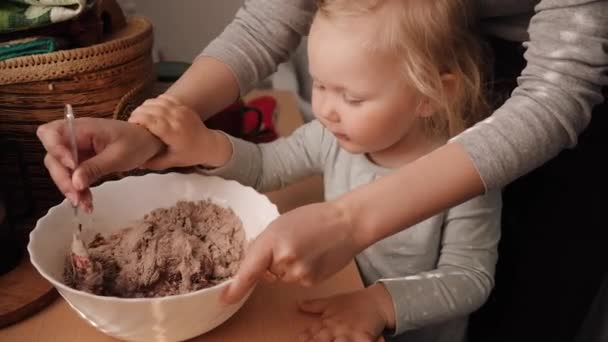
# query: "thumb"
{"type": "Point", "coordinates": [253, 267]}
{"type": "Point", "coordinates": [102, 164]}
{"type": "Point", "coordinates": [315, 306]}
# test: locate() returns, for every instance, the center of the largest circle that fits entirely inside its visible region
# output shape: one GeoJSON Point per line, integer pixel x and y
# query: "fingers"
{"type": "Point", "coordinates": [257, 261]}
{"type": "Point", "coordinates": [161, 105]}
{"type": "Point", "coordinates": [361, 337]}
{"type": "Point", "coordinates": [315, 306]}
{"type": "Point", "coordinates": [62, 178]}
{"type": "Point", "coordinates": [309, 334]}
{"type": "Point", "coordinates": [51, 136]}
{"type": "Point", "coordinates": [156, 123]}
{"type": "Point", "coordinates": [330, 331]}
{"type": "Point", "coordinates": [290, 267]}
{"type": "Point", "coordinates": [110, 159]}
{"type": "Point", "coordinates": [59, 163]}
{"type": "Point", "coordinates": [296, 272]}
{"type": "Point", "coordinates": [169, 99]}
{"type": "Point", "coordinates": [324, 335]}
{"type": "Point", "coordinates": [270, 277]}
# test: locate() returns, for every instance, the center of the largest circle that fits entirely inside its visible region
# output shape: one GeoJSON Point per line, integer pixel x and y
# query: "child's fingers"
{"type": "Point", "coordinates": [270, 277]}
{"type": "Point", "coordinates": [305, 336]}
{"type": "Point", "coordinates": [152, 108]}
{"type": "Point", "coordinates": [142, 113]}
{"type": "Point", "coordinates": [169, 100]}
{"type": "Point", "coordinates": [324, 335]}
{"type": "Point", "coordinates": [340, 327]}
{"type": "Point", "coordinates": [176, 119]}
{"type": "Point", "coordinates": [309, 334]}
{"type": "Point", "coordinates": [156, 124]}
{"type": "Point", "coordinates": [352, 337]}
{"type": "Point", "coordinates": [157, 102]}
{"type": "Point", "coordinates": [361, 337]}
{"type": "Point", "coordinates": [142, 118]}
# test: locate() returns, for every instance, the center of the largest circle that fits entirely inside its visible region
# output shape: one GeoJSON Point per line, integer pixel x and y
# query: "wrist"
{"type": "Point", "coordinates": [342, 214]}
{"type": "Point", "coordinates": [349, 218]}
{"type": "Point", "coordinates": [218, 149]}
{"type": "Point", "coordinates": [383, 303]}
{"type": "Point", "coordinates": [156, 145]}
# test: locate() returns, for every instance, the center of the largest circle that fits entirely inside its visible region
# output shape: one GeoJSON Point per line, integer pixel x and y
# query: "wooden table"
{"type": "Point", "coordinates": [270, 314]}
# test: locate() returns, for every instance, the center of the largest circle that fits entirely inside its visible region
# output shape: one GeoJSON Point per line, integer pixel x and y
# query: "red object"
{"type": "Point", "coordinates": [267, 105]}
{"type": "Point", "coordinates": [252, 121]}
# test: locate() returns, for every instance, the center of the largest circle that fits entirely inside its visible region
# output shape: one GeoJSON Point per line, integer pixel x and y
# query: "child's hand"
{"type": "Point", "coordinates": [356, 316]}
{"type": "Point", "coordinates": [188, 141]}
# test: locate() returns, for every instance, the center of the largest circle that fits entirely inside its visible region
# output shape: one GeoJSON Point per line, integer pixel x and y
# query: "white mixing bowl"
{"type": "Point", "coordinates": [171, 318]}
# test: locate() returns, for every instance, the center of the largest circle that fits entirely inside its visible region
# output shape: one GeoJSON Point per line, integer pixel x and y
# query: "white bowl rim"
{"type": "Point", "coordinates": [65, 287]}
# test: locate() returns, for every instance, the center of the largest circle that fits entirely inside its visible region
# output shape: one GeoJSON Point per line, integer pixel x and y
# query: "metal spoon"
{"type": "Point", "coordinates": [80, 260]}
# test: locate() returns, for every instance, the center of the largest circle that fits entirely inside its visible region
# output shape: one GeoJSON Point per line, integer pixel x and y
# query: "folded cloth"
{"type": "Point", "coordinates": [27, 46]}
{"type": "Point", "coordinates": [18, 15]}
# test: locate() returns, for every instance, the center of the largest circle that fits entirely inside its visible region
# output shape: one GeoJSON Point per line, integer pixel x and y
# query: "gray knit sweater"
{"type": "Point", "coordinates": [437, 271]}
{"type": "Point", "coordinates": [567, 64]}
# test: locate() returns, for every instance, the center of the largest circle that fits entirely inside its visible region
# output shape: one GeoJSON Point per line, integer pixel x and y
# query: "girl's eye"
{"type": "Point", "coordinates": [351, 100]}
{"type": "Point", "coordinates": [318, 86]}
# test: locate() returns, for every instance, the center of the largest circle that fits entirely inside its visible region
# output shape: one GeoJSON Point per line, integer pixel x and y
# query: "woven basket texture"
{"type": "Point", "coordinates": [106, 80]}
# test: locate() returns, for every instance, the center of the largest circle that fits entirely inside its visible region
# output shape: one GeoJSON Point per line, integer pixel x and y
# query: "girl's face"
{"type": "Point", "coordinates": [358, 95]}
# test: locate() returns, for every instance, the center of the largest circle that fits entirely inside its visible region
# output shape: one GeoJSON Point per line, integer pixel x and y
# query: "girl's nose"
{"type": "Point", "coordinates": [326, 109]}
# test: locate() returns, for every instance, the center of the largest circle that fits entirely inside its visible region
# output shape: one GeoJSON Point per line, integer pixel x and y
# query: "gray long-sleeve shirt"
{"type": "Point", "coordinates": [437, 271]}
{"type": "Point", "coordinates": [567, 64]}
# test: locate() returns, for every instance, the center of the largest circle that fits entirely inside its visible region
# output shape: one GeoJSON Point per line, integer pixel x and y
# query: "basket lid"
{"type": "Point", "coordinates": [120, 47]}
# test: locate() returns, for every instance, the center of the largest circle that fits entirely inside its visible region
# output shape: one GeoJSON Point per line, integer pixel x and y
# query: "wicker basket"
{"type": "Point", "coordinates": [106, 80]}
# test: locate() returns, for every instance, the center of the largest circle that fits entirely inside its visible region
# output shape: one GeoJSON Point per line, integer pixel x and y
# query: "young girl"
{"type": "Point", "coordinates": [393, 80]}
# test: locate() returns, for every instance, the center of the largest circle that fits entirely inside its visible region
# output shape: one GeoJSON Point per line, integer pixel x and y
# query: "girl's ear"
{"type": "Point", "coordinates": [448, 84]}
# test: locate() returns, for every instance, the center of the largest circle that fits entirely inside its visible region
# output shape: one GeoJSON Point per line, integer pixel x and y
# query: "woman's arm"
{"type": "Point", "coordinates": [567, 65]}
{"type": "Point", "coordinates": [415, 192]}
{"type": "Point", "coordinates": [261, 36]}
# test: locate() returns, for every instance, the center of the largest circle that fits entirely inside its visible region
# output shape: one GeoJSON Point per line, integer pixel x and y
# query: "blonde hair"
{"type": "Point", "coordinates": [432, 38]}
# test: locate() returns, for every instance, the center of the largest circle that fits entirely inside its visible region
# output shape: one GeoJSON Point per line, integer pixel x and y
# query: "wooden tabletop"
{"type": "Point", "coordinates": [271, 312]}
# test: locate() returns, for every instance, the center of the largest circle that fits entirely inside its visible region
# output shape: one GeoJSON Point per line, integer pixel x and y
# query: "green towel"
{"type": "Point", "coordinates": [18, 15]}
{"type": "Point", "coordinates": [25, 47]}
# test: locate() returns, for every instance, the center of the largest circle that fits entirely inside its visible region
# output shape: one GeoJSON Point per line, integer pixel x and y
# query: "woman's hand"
{"type": "Point", "coordinates": [305, 245]}
{"type": "Point", "coordinates": [104, 146]}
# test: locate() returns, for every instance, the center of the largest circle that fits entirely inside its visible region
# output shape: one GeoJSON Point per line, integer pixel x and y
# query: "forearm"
{"type": "Point", "coordinates": [207, 87]}
{"type": "Point", "coordinates": [272, 165]}
{"type": "Point", "coordinates": [567, 64]}
{"type": "Point", "coordinates": [410, 194]}
{"type": "Point", "coordinates": [249, 49]}
{"type": "Point", "coordinates": [261, 36]}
